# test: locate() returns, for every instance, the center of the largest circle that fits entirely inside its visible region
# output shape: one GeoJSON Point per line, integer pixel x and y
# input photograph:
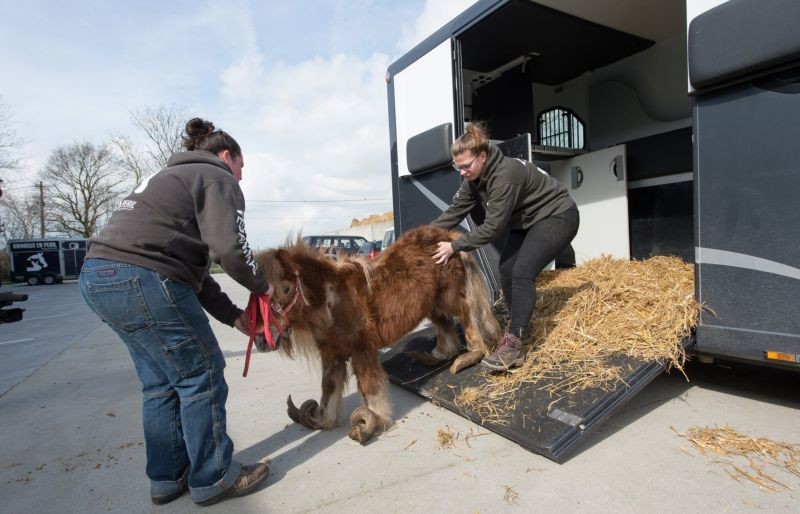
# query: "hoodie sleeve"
{"type": "Point", "coordinates": [216, 302]}
{"type": "Point", "coordinates": [463, 201]}
{"type": "Point", "coordinates": [220, 217]}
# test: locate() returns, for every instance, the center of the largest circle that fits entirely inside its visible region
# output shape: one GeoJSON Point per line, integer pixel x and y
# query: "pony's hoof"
{"type": "Point", "coordinates": [304, 415]}
{"type": "Point", "coordinates": [363, 424]}
{"type": "Point", "coordinates": [465, 360]}
{"type": "Point", "coordinates": [425, 358]}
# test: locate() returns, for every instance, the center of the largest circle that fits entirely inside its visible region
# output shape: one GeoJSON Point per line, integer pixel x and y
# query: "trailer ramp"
{"type": "Point", "coordinates": [552, 426]}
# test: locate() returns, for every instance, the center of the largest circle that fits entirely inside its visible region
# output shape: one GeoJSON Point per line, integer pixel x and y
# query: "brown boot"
{"type": "Point", "coordinates": [507, 355]}
{"type": "Point", "coordinates": [250, 476]}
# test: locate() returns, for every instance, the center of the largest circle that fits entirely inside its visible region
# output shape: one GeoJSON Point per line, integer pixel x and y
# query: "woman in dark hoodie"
{"type": "Point", "coordinates": [536, 210]}
{"type": "Point", "coordinates": [147, 276]}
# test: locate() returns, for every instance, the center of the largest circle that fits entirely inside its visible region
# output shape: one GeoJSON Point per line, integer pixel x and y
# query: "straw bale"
{"type": "Point", "coordinates": [584, 317]}
{"type": "Point", "coordinates": [372, 219]}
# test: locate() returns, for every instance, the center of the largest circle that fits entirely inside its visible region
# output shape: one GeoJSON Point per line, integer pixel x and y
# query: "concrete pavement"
{"type": "Point", "coordinates": [71, 441]}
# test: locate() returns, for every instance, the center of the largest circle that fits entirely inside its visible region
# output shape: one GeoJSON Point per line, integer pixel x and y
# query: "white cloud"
{"type": "Point", "coordinates": [315, 130]}
{"type": "Point", "coordinates": [312, 128]}
{"type": "Point", "coordinates": [434, 16]}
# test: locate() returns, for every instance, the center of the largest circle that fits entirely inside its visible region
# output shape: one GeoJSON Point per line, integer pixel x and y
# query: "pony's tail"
{"type": "Point", "coordinates": [479, 306]}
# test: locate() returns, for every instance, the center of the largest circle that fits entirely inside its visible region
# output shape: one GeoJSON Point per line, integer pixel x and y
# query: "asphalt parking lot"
{"type": "Point", "coordinates": [70, 436]}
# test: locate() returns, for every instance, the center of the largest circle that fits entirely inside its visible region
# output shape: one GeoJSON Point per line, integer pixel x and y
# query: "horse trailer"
{"type": "Point", "coordinates": [45, 260]}
{"type": "Point", "coordinates": [672, 123]}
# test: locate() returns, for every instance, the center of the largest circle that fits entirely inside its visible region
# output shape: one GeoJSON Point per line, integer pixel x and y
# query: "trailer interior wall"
{"type": "Point", "coordinates": [525, 59]}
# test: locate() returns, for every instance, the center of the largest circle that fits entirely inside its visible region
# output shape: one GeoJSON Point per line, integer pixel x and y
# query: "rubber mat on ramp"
{"type": "Point", "coordinates": [548, 425]}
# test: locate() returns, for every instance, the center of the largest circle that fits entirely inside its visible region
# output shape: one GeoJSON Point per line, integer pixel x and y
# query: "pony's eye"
{"type": "Point", "coordinates": [285, 289]}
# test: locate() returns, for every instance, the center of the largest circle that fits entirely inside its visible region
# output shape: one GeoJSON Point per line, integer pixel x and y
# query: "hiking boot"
{"type": "Point", "coordinates": [250, 476]}
{"type": "Point", "coordinates": [507, 355]}
{"type": "Point", "coordinates": [161, 500]}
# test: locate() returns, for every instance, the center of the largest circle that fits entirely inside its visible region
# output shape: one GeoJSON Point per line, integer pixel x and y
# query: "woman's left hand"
{"type": "Point", "coordinates": [242, 324]}
{"type": "Point", "coordinates": [443, 252]}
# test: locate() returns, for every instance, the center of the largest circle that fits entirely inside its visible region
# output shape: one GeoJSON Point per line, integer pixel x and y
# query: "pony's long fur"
{"type": "Point", "coordinates": [355, 307]}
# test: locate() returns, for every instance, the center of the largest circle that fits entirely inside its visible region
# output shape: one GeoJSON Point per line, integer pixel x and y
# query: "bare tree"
{"type": "Point", "coordinates": [80, 188]}
{"type": "Point", "coordinates": [9, 141]}
{"type": "Point", "coordinates": [20, 216]}
{"type": "Point", "coordinates": [162, 128]}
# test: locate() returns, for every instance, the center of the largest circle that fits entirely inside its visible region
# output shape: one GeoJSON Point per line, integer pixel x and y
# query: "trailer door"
{"type": "Point", "coordinates": [422, 110]}
{"type": "Point", "coordinates": [424, 97]}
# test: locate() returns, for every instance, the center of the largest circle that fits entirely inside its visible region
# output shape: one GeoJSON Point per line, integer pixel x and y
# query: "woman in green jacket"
{"type": "Point", "coordinates": [536, 210]}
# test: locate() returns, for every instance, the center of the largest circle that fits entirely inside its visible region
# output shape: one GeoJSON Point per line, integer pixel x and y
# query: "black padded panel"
{"type": "Point", "coordinates": [659, 154]}
{"type": "Point", "coordinates": [741, 38]}
{"type": "Point", "coordinates": [430, 150]}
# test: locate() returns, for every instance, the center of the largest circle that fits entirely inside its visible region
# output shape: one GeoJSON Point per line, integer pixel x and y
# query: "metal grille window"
{"type": "Point", "coordinates": [562, 128]}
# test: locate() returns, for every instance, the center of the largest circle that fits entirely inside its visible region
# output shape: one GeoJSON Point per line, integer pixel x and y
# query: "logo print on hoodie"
{"type": "Point", "coordinates": [248, 253]}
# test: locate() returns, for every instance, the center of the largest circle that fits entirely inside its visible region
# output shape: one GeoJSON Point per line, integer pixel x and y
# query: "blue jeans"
{"type": "Point", "coordinates": [180, 365]}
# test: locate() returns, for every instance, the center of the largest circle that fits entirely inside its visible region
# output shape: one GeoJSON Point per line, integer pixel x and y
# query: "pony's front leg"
{"type": "Point", "coordinates": [325, 414]}
{"type": "Point", "coordinates": [375, 413]}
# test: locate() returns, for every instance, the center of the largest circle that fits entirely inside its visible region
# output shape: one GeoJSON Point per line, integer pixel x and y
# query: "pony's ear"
{"type": "Point", "coordinates": [285, 260]}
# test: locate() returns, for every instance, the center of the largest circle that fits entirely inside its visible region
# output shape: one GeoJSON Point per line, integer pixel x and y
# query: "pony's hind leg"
{"type": "Point", "coordinates": [325, 414]}
{"type": "Point", "coordinates": [481, 329]}
{"type": "Point", "coordinates": [476, 346]}
{"type": "Point", "coordinates": [375, 413]}
{"type": "Point", "coordinates": [447, 341]}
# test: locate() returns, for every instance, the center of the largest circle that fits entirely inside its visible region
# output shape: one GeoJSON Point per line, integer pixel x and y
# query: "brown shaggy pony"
{"type": "Point", "coordinates": [351, 308]}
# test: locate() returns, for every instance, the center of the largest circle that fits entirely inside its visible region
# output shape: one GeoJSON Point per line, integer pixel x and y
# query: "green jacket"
{"type": "Point", "coordinates": [515, 195]}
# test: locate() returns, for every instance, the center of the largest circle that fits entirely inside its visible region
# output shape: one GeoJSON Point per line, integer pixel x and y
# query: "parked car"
{"type": "Point", "coordinates": [337, 244]}
{"type": "Point", "coordinates": [370, 249]}
{"type": "Point", "coordinates": [388, 238]}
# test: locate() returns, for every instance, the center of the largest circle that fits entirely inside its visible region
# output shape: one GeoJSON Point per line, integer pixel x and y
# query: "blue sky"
{"type": "Point", "coordinates": [299, 84]}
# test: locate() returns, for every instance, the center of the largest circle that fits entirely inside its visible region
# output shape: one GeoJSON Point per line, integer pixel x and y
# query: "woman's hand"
{"type": "Point", "coordinates": [444, 250]}
{"type": "Point", "coordinates": [242, 324]}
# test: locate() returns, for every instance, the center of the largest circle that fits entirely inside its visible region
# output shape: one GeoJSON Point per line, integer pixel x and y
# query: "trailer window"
{"type": "Point", "coordinates": [562, 128]}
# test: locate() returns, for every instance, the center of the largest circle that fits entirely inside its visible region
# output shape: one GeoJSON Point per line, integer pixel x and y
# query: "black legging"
{"type": "Point", "coordinates": [526, 253]}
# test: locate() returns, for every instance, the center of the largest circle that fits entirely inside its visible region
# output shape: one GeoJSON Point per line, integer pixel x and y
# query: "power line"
{"type": "Point", "coordinates": [322, 201]}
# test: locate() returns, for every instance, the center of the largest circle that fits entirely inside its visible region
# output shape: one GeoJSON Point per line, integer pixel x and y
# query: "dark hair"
{"type": "Point", "coordinates": [475, 139]}
{"type": "Point", "coordinates": [201, 135]}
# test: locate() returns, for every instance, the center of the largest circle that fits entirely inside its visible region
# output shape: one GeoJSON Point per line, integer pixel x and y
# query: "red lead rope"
{"type": "Point", "coordinates": [259, 302]}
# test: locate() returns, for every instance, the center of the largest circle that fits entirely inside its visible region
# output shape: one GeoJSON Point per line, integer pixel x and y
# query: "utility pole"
{"type": "Point", "coordinates": [41, 209]}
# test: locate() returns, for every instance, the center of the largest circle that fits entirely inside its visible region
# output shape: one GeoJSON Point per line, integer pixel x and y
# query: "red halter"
{"type": "Point", "coordinates": [261, 303]}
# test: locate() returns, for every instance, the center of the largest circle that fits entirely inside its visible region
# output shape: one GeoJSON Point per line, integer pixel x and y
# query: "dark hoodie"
{"type": "Point", "coordinates": [178, 221]}
{"type": "Point", "coordinates": [515, 195]}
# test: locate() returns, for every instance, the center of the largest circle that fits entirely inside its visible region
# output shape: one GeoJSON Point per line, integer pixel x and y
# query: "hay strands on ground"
{"type": "Point", "coordinates": [447, 438]}
{"type": "Point", "coordinates": [586, 316]}
{"type": "Point", "coordinates": [732, 448]}
{"type": "Point", "coordinates": [511, 496]}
